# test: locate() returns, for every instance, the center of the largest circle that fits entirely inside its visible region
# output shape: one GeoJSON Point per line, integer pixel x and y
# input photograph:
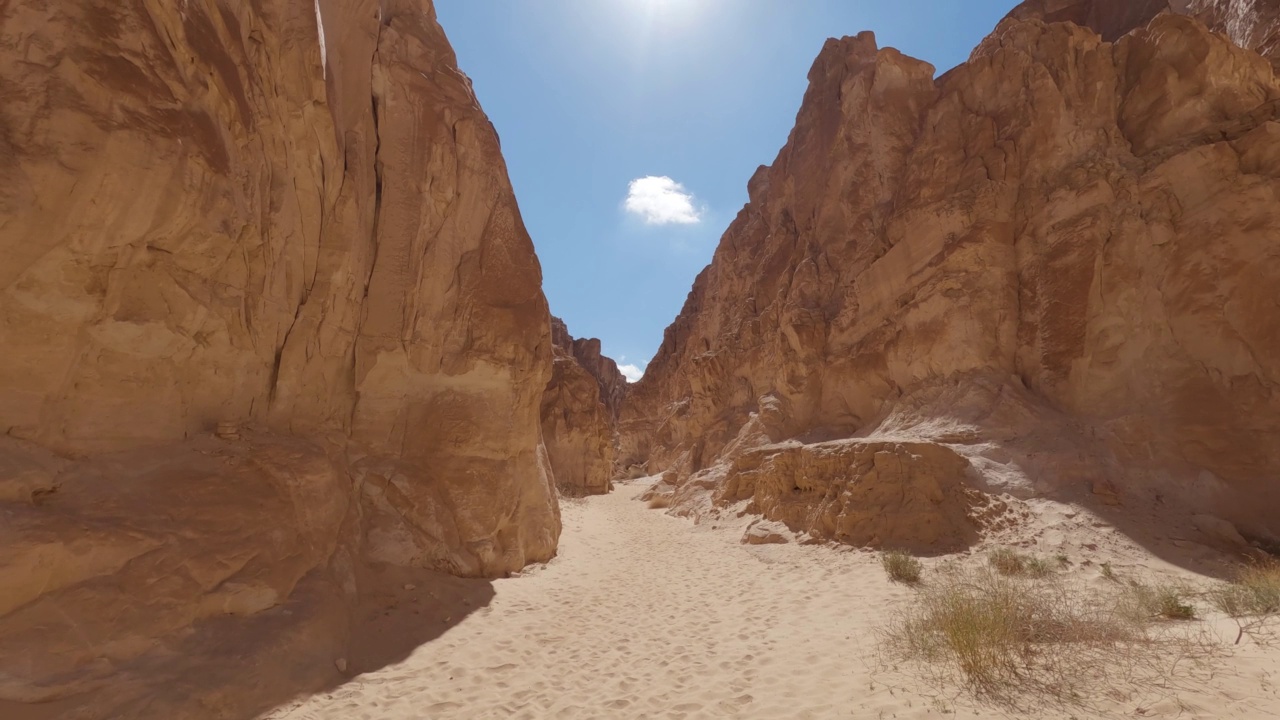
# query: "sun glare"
{"type": "Point", "coordinates": [669, 11]}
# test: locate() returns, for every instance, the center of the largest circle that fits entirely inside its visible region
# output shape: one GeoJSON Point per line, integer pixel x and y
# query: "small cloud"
{"type": "Point", "coordinates": [631, 372]}
{"type": "Point", "coordinates": [661, 201]}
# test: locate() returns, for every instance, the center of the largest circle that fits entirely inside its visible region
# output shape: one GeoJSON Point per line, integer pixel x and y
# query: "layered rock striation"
{"type": "Point", "coordinates": [579, 414]}
{"type": "Point", "coordinates": [289, 221]}
{"type": "Point", "coordinates": [1056, 262]}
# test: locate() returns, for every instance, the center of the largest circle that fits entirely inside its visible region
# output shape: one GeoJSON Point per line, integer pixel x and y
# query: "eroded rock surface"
{"type": "Point", "coordinates": [1252, 24]}
{"type": "Point", "coordinates": [290, 220]}
{"type": "Point", "coordinates": [578, 423]}
{"type": "Point", "coordinates": [1057, 261]}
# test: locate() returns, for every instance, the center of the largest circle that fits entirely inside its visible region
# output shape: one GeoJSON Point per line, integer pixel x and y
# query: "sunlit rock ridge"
{"type": "Point", "coordinates": [1049, 272]}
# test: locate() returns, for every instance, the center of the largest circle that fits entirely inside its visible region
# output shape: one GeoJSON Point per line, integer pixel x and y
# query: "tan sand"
{"type": "Point", "coordinates": [643, 615]}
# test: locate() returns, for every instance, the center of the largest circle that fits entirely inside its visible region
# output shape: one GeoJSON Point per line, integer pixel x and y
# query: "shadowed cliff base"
{"type": "Point", "coordinates": [239, 668]}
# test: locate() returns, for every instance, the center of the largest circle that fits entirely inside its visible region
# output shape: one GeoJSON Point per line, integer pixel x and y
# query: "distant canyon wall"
{"type": "Point", "coordinates": [579, 414]}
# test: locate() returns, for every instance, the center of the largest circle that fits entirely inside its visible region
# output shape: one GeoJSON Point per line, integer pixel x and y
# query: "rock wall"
{"type": "Point", "coordinates": [290, 220]}
{"type": "Point", "coordinates": [1251, 24]}
{"type": "Point", "coordinates": [613, 386]}
{"type": "Point", "coordinates": [1057, 260]}
{"type": "Point", "coordinates": [578, 419]}
{"type": "Point", "coordinates": [203, 222]}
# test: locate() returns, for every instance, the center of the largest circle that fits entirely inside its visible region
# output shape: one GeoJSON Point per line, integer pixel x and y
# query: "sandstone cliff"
{"type": "Point", "coordinates": [1251, 24]}
{"type": "Point", "coordinates": [578, 415]}
{"type": "Point", "coordinates": [291, 220]}
{"type": "Point", "coordinates": [1049, 271]}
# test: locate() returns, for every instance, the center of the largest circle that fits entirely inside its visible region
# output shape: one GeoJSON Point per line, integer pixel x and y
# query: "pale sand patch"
{"type": "Point", "coordinates": [643, 615]}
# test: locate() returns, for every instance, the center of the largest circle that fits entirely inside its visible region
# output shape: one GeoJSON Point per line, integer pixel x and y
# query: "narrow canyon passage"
{"type": "Point", "coordinates": [645, 615]}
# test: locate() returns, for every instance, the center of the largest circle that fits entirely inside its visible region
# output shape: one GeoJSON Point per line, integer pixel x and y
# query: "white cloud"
{"type": "Point", "coordinates": [631, 372]}
{"type": "Point", "coordinates": [661, 201]}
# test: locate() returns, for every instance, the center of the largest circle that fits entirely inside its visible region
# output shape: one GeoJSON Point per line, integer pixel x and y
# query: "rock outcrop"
{"type": "Point", "coordinates": [1251, 24]}
{"type": "Point", "coordinates": [1056, 264]}
{"type": "Point", "coordinates": [578, 419]}
{"type": "Point", "coordinates": [287, 220]}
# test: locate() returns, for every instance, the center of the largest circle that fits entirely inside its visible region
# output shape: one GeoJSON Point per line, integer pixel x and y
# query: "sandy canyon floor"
{"type": "Point", "coordinates": [643, 615]}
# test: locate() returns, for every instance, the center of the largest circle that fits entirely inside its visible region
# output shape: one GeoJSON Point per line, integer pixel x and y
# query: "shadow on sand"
{"type": "Point", "coordinates": [242, 668]}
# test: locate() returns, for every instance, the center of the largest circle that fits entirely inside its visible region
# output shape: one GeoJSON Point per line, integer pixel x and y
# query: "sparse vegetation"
{"type": "Point", "coordinates": [1109, 572]}
{"type": "Point", "coordinates": [1011, 562]}
{"type": "Point", "coordinates": [1169, 602]}
{"type": "Point", "coordinates": [1037, 566]}
{"type": "Point", "coordinates": [901, 567]}
{"type": "Point", "coordinates": [1255, 592]}
{"type": "Point", "coordinates": [1253, 600]}
{"type": "Point", "coordinates": [661, 501]}
{"type": "Point", "coordinates": [1009, 636]}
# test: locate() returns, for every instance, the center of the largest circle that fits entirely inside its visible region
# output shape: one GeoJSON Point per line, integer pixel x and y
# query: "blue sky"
{"type": "Point", "coordinates": [630, 127]}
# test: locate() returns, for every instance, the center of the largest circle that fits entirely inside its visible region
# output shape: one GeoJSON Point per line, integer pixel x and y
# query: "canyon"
{"type": "Point", "coordinates": [1047, 273]}
{"type": "Point", "coordinates": [283, 401]}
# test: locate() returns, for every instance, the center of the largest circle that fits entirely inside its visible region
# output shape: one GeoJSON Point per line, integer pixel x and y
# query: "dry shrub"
{"type": "Point", "coordinates": [1253, 600]}
{"type": "Point", "coordinates": [1014, 640]}
{"type": "Point", "coordinates": [1011, 562]}
{"type": "Point", "coordinates": [1255, 593]}
{"type": "Point", "coordinates": [901, 567]}
{"type": "Point", "coordinates": [1168, 602]}
{"type": "Point", "coordinates": [659, 502]}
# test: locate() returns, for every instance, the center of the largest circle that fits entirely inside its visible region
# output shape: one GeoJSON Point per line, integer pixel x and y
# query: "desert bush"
{"type": "Point", "coordinates": [1169, 602]}
{"type": "Point", "coordinates": [901, 567]}
{"type": "Point", "coordinates": [1008, 637]}
{"type": "Point", "coordinates": [1011, 562]}
{"type": "Point", "coordinates": [1255, 592]}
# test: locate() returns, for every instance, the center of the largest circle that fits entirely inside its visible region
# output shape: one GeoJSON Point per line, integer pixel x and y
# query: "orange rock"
{"type": "Point", "coordinates": [204, 224]}
{"type": "Point", "coordinates": [1058, 259]}
{"type": "Point", "coordinates": [577, 424]}
{"type": "Point", "coordinates": [214, 216]}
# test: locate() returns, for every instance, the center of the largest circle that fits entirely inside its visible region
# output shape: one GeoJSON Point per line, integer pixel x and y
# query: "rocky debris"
{"type": "Point", "coordinates": [764, 532]}
{"type": "Point", "coordinates": [1220, 532]}
{"type": "Point", "coordinates": [913, 496]}
{"type": "Point", "coordinates": [1071, 238]}
{"type": "Point", "coordinates": [577, 425]}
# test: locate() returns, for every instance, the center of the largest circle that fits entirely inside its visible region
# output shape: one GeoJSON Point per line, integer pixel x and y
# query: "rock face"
{"type": "Point", "coordinates": [1055, 264]}
{"type": "Point", "coordinates": [205, 223]}
{"type": "Point", "coordinates": [113, 554]}
{"type": "Point", "coordinates": [613, 386]}
{"type": "Point", "coordinates": [1251, 24]}
{"type": "Point", "coordinates": [579, 415]}
{"type": "Point", "coordinates": [267, 215]}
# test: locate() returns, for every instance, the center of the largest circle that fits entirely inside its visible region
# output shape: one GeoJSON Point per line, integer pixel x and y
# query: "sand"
{"type": "Point", "coordinates": [643, 615]}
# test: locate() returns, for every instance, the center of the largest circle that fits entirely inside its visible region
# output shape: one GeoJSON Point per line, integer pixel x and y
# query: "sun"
{"type": "Point", "coordinates": [668, 11]}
